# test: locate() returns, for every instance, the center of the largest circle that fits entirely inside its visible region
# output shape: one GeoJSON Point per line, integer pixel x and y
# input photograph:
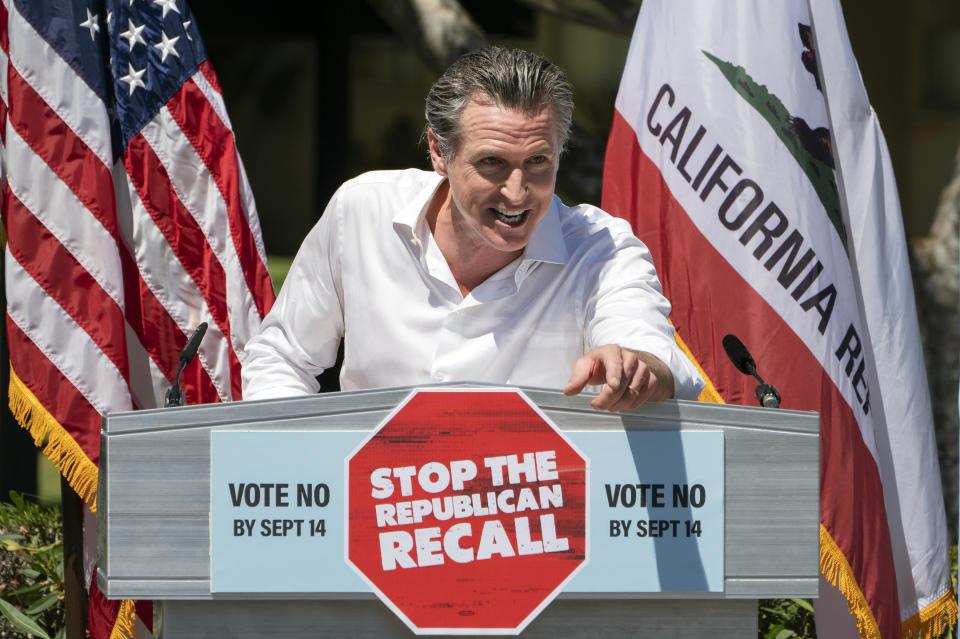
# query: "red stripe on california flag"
{"type": "Point", "coordinates": [181, 231]}
{"type": "Point", "coordinates": [65, 153]}
{"type": "Point", "coordinates": [67, 282]}
{"type": "Point", "coordinates": [852, 506]}
{"type": "Point", "coordinates": [207, 70]}
{"type": "Point", "coordinates": [60, 397]}
{"type": "Point", "coordinates": [214, 143]}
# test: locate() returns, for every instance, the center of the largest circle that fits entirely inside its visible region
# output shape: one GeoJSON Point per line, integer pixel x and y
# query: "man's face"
{"type": "Point", "coordinates": [502, 175]}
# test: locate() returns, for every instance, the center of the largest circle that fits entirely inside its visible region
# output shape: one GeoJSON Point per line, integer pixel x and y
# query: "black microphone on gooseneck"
{"type": "Point", "coordinates": [174, 396]}
{"type": "Point", "coordinates": [767, 394]}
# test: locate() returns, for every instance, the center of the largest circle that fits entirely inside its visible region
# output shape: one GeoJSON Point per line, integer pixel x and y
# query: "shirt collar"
{"type": "Point", "coordinates": [413, 213]}
{"type": "Point", "coordinates": [546, 243]}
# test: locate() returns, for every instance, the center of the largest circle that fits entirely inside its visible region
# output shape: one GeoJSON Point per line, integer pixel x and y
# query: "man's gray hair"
{"type": "Point", "coordinates": [512, 78]}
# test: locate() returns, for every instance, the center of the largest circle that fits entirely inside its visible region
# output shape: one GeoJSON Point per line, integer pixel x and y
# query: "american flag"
{"type": "Point", "coordinates": [129, 220]}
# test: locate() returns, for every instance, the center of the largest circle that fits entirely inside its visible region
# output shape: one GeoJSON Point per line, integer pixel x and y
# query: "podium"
{"type": "Point", "coordinates": [162, 535]}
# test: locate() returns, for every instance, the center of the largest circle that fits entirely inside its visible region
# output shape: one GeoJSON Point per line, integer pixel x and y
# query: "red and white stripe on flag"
{"type": "Point", "coordinates": [129, 221]}
{"type": "Point", "coordinates": [776, 219]}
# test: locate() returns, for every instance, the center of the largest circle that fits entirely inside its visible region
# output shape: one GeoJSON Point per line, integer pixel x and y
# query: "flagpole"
{"type": "Point", "coordinates": [75, 602]}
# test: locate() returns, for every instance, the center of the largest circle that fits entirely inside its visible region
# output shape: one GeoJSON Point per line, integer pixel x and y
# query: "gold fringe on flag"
{"type": "Point", "coordinates": [126, 618]}
{"type": "Point", "coordinates": [836, 570]}
{"type": "Point", "coordinates": [934, 619]}
{"type": "Point", "coordinates": [61, 449]}
{"type": "Point", "coordinates": [709, 392]}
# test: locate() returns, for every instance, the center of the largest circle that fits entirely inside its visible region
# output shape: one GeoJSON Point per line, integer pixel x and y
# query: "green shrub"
{"type": "Point", "coordinates": [786, 619]}
{"type": "Point", "coordinates": [31, 570]}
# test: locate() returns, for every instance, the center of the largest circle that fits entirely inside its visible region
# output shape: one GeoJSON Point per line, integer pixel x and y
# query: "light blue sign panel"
{"type": "Point", "coordinates": [656, 511]}
{"type": "Point", "coordinates": [268, 551]}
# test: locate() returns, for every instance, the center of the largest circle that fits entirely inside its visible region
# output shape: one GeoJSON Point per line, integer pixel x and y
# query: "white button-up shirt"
{"type": "Point", "coordinates": [370, 270]}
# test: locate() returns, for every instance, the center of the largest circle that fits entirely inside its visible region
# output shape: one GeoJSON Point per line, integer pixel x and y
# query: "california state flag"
{"type": "Point", "coordinates": [747, 156]}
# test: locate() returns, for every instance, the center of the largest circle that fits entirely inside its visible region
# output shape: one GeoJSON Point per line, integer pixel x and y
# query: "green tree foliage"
{"type": "Point", "coordinates": [31, 570]}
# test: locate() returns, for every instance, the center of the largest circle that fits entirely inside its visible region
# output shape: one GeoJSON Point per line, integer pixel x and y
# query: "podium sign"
{"type": "Point", "coordinates": [235, 516]}
{"type": "Point", "coordinates": [466, 511]}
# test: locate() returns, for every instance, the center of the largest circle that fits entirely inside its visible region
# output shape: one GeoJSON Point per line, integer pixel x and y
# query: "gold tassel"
{"type": "Point", "coordinates": [709, 392]}
{"type": "Point", "coordinates": [835, 569]}
{"type": "Point", "coordinates": [126, 618]}
{"type": "Point", "coordinates": [61, 449]}
{"type": "Point", "coordinates": [932, 620]}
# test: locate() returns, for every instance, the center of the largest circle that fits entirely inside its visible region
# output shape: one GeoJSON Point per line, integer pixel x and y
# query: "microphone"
{"type": "Point", "coordinates": [767, 394]}
{"type": "Point", "coordinates": [174, 396]}
{"type": "Point", "coordinates": [190, 350]}
{"type": "Point", "coordinates": [739, 355]}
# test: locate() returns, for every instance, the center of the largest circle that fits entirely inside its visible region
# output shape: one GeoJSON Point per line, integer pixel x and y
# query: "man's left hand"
{"type": "Point", "coordinates": [630, 378]}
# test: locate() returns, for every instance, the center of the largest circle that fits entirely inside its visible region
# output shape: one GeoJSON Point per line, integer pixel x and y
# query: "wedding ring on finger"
{"type": "Point", "coordinates": [633, 391]}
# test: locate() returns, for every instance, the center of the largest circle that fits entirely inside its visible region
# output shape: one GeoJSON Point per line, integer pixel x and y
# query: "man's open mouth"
{"type": "Point", "coordinates": [512, 218]}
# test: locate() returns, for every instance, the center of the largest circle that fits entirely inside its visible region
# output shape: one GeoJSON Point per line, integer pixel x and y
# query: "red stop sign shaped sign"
{"type": "Point", "coordinates": [466, 511]}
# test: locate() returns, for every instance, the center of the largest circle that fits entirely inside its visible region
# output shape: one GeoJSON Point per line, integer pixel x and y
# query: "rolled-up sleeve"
{"type": "Point", "coordinates": [625, 305]}
{"type": "Point", "coordinates": [300, 335]}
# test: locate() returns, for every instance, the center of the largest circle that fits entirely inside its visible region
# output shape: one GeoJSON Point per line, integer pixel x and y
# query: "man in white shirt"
{"type": "Point", "coordinates": [475, 271]}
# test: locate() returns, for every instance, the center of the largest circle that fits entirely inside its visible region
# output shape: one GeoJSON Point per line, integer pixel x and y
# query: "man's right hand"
{"type": "Point", "coordinates": [630, 378]}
